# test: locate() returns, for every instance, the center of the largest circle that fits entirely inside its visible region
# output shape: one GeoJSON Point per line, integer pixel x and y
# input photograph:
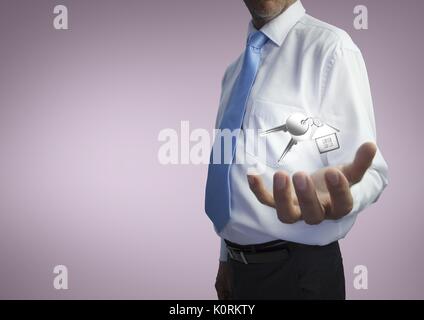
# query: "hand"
{"type": "Point", "coordinates": [223, 281]}
{"type": "Point", "coordinates": [323, 195]}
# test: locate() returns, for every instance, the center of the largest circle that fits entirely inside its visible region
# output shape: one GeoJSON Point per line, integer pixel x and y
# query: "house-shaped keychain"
{"type": "Point", "coordinates": [304, 128]}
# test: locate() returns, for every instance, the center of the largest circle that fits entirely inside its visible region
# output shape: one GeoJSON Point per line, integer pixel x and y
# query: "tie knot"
{"type": "Point", "coordinates": [257, 40]}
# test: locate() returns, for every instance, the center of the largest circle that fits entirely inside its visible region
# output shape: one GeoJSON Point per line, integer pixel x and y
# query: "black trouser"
{"type": "Point", "coordinates": [308, 272]}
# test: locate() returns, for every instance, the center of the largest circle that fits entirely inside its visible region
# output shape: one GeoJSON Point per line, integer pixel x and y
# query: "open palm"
{"type": "Point", "coordinates": [323, 195]}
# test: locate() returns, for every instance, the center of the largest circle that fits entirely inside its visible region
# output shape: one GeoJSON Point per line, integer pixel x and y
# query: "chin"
{"type": "Point", "coordinates": [268, 9]}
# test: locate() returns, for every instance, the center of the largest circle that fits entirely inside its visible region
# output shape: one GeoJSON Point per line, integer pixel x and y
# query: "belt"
{"type": "Point", "coordinates": [261, 253]}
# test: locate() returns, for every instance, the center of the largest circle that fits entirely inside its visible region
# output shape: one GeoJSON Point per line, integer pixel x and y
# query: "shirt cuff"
{"type": "Point", "coordinates": [367, 191]}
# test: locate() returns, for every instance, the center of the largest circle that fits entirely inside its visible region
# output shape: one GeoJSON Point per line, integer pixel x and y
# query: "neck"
{"type": "Point", "coordinates": [259, 22]}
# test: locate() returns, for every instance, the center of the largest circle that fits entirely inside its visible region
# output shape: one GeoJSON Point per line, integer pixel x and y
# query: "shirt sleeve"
{"type": "Point", "coordinates": [347, 104]}
{"type": "Point", "coordinates": [221, 104]}
{"type": "Point", "coordinates": [223, 248]}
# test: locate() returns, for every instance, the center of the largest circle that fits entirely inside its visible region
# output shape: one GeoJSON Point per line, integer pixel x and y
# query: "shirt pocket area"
{"type": "Point", "coordinates": [268, 149]}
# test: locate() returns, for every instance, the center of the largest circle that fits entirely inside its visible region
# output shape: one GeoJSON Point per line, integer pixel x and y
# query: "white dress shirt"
{"type": "Point", "coordinates": [310, 67]}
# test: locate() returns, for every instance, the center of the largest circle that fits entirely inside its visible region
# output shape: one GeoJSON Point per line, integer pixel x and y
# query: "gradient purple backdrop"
{"type": "Point", "coordinates": [80, 112]}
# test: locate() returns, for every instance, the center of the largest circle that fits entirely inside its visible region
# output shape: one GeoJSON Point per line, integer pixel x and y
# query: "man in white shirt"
{"type": "Point", "coordinates": [281, 240]}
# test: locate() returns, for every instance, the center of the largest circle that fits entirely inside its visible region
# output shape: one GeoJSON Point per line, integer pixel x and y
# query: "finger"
{"type": "Point", "coordinates": [286, 210]}
{"type": "Point", "coordinates": [311, 209]}
{"type": "Point", "coordinates": [341, 197]}
{"type": "Point", "coordinates": [363, 160]}
{"type": "Point", "coordinates": [257, 186]}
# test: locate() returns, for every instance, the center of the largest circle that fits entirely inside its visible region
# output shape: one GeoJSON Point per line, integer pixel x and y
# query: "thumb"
{"type": "Point", "coordinates": [363, 160]}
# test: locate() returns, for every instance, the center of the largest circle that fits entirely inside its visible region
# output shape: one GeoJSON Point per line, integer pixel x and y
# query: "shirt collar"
{"type": "Point", "coordinates": [278, 28]}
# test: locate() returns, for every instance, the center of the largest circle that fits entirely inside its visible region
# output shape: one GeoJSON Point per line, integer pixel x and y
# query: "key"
{"type": "Point", "coordinates": [291, 144]}
{"type": "Point", "coordinates": [277, 129]}
{"type": "Point", "coordinates": [298, 126]}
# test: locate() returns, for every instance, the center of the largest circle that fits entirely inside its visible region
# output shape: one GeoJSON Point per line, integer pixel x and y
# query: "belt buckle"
{"type": "Point", "coordinates": [232, 253]}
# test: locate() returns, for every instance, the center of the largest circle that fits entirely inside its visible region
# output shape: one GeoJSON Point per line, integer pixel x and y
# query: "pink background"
{"type": "Point", "coordinates": [80, 111]}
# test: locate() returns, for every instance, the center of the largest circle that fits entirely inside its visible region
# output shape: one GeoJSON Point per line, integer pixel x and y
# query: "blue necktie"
{"type": "Point", "coordinates": [218, 197]}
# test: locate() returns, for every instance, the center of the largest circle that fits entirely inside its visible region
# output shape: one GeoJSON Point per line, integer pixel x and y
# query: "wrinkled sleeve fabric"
{"type": "Point", "coordinates": [346, 102]}
{"type": "Point", "coordinates": [223, 248]}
